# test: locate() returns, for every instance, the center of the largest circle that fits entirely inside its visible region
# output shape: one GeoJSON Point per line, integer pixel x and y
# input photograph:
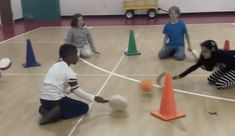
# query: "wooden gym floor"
{"type": "Point", "coordinates": [113, 73]}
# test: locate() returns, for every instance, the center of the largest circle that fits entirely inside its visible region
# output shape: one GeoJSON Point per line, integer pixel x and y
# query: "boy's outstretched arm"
{"type": "Point", "coordinates": [79, 92]}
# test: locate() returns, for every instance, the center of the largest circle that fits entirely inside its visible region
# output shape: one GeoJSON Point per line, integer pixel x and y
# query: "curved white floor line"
{"type": "Point", "coordinates": [99, 92]}
{"type": "Point", "coordinates": [138, 81]}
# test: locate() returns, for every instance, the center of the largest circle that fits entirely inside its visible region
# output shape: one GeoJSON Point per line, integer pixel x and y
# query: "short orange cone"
{"type": "Point", "coordinates": [168, 109]}
{"type": "Point", "coordinates": [226, 45]}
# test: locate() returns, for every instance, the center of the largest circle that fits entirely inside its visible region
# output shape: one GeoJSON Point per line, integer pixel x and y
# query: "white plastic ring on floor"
{"type": "Point", "coordinates": [4, 63]}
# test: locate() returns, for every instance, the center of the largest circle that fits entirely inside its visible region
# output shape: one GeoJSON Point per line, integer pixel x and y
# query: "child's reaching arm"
{"type": "Point", "coordinates": [186, 72]}
{"type": "Point", "coordinates": [190, 69]}
{"type": "Point", "coordinates": [79, 92]}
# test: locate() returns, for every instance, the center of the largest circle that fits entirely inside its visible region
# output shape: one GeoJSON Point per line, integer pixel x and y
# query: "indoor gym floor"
{"type": "Point", "coordinates": [114, 73]}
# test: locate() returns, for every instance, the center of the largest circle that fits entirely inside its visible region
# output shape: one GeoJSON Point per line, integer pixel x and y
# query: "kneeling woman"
{"type": "Point", "coordinates": [213, 58]}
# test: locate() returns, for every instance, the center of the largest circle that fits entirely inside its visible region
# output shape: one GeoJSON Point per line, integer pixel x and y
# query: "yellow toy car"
{"type": "Point", "coordinates": [150, 6]}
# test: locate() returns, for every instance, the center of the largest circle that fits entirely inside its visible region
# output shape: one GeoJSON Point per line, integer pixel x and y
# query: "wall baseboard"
{"type": "Point", "coordinates": [164, 14]}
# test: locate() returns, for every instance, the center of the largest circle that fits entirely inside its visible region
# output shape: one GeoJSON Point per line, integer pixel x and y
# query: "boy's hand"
{"type": "Point", "coordinates": [176, 77]}
{"type": "Point", "coordinates": [99, 99]}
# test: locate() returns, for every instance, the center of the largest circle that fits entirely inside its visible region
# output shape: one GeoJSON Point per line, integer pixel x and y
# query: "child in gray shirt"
{"type": "Point", "coordinates": [80, 36]}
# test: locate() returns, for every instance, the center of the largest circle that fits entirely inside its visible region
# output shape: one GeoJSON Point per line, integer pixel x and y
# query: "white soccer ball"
{"type": "Point", "coordinates": [118, 103]}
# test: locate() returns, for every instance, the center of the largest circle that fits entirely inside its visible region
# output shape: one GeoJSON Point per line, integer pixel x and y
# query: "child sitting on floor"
{"type": "Point", "coordinates": [80, 36]}
{"type": "Point", "coordinates": [175, 30]}
{"type": "Point", "coordinates": [58, 83]}
{"type": "Point", "coordinates": [212, 57]}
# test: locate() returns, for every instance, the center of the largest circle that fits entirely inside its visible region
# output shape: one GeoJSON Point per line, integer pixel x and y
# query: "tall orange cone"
{"type": "Point", "coordinates": [226, 45]}
{"type": "Point", "coordinates": [168, 109]}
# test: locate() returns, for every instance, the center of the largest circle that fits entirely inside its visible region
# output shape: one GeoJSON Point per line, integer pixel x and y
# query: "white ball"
{"type": "Point", "coordinates": [118, 103]}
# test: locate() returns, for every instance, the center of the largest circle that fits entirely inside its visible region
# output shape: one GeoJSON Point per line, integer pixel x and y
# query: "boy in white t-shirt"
{"type": "Point", "coordinates": [58, 83]}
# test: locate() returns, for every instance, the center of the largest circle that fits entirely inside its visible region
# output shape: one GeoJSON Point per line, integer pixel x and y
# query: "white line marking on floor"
{"type": "Point", "coordinates": [131, 26]}
{"type": "Point", "coordinates": [40, 42]}
{"type": "Point", "coordinates": [22, 74]}
{"type": "Point", "coordinates": [176, 90]}
{"type": "Point", "coordinates": [156, 75]}
{"type": "Point", "coordinates": [99, 92]}
{"type": "Point", "coordinates": [96, 75]}
{"type": "Point", "coordinates": [102, 87]}
{"type": "Point", "coordinates": [20, 35]}
{"type": "Point", "coordinates": [113, 41]}
{"type": "Point", "coordinates": [61, 42]}
{"type": "Point", "coordinates": [101, 43]}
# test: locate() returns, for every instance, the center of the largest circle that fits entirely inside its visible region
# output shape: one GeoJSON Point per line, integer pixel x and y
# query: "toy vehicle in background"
{"type": "Point", "coordinates": [130, 6]}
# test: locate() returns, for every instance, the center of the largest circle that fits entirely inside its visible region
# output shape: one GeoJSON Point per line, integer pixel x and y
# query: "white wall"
{"type": "Point", "coordinates": [91, 7]}
{"type": "Point", "coordinates": [190, 6]}
{"type": "Point", "coordinates": [16, 9]}
{"type": "Point", "coordinates": [114, 7]}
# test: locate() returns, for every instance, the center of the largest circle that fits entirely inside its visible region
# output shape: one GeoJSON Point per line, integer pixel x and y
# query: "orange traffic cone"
{"type": "Point", "coordinates": [226, 45]}
{"type": "Point", "coordinates": [168, 107]}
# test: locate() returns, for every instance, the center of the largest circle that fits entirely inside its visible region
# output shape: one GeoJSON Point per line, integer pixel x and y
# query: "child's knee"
{"type": "Point", "coordinates": [180, 55]}
{"type": "Point", "coordinates": [86, 54]}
